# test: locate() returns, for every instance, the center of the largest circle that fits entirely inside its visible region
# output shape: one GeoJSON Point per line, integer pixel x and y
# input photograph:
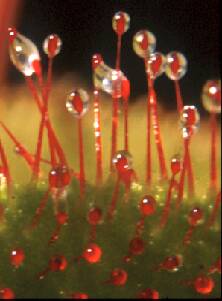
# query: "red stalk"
{"type": "Point", "coordinates": [47, 121]}
{"type": "Point", "coordinates": [188, 235]}
{"type": "Point", "coordinates": [81, 160]}
{"type": "Point", "coordinates": [166, 210]}
{"type": "Point", "coordinates": [6, 169]}
{"type": "Point", "coordinates": [178, 96]}
{"type": "Point", "coordinates": [115, 107]}
{"type": "Point", "coordinates": [39, 210]}
{"type": "Point", "coordinates": [214, 212]}
{"type": "Point", "coordinates": [213, 164]}
{"type": "Point", "coordinates": [125, 111]}
{"type": "Point", "coordinates": [182, 175]}
{"type": "Point", "coordinates": [114, 200]}
{"type": "Point", "coordinates": [98, 139]}
{"type": "Point", "coordinates": [157, 134]}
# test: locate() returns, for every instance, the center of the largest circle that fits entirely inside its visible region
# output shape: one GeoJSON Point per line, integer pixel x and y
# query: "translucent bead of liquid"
{"type": "Point", "coordinates": [144, 43]}
{"type": "Point", "coordinates": [136, 246]}
{"type": "Point", "coordinates": [24, 54]}
{"type": "Point", "coordinates": [58, 263]}
{"type": "Point", "coordinates": [92, 253]}
{"type": "Point", "coordinates": [172, 263]}
{"type": "Point", "coordinates": [96, 60]}
{"type": "Point", "coordinates": [204, 285]}
{"type": "Point", "coordinates": [189, 120]}
{"type": "Point", "coordinates": [79, 295]}
{"type": "Point", "coordinates": [119, 277]}
{"type": "Point", "coordinates": [176, 65]}
{"type": "Point", "coordinates": [156, 64]}
{"type": "Point", "coordinates": [147, 205]}
{"type": "Point", "coordinates": [120, 22]}
{"type": "Point", "coordinates": [77, 103]}
{"type": "Point", "coordinates": [108, 80]}
{"type": "Point", "coordinates": [195, 216]}
{"type": "Point", "coordinates": [17, 257]}
{"type": "Point", "coordinates": [7, 294]}
{"type": "Point", "coordinates": [94, 216]}
{"type": "Point", "coordinates": [148, 294]}
{"type": "Point", "coordinates": [175, 164]}
{"type": "Point", "coordinates": [122, 161]}
{"type": "Point", "coordinates": [211, 96]}
{"type": "Point", "coordinates": [52, 45]}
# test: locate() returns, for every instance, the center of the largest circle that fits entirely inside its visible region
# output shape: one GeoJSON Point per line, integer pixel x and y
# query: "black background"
{"type": "Point", "coordinates": [189, 26]}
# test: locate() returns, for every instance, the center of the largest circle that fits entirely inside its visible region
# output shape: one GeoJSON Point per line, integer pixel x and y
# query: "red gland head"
{"type": "Point", "coordinates": [136, 246]}
{"type": "Point", "coordinates": [94, 216]}
{"type": "Point", "coordinates": [120, 22]}
{"type": "Point", "coordinates": [52, 45]}
{"type": "Point", "coordinates": [147, 205]}
{"type": "Point", "coordinates": [62, 218]}
{"type": "Point", "coordinates": [92, 253]}
{"type": "Point", "coordinates": [195, 216]}
{"type": "Point", "coordinates": [58, 263]}
{"type": "Point", "coordinates": [172, 263]}
{"type": "Point", "coordinates": [96, 60]}
{"type": "Point", "coordinates": [148, 294]}
{"type": "Point", "coordinates": [79, 295]}
{"type": "Point", "coordinates": [204, 285]}
{"type": "Point", "coordinates": [12, 34]}
{"type": "Point", "coordinates": [175, 165]}
{"type": "Point", "coordinates": [6, 294]}
{"type": "Point", "coordinates": [59, 177]}
{"type": "Point", "coordinates": [17, 257]}
{"type": "Point", "coordinates": [118, 277]}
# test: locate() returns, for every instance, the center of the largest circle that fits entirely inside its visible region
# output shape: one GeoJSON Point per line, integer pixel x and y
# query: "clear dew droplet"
{"type": "Point", "coordinates": [23, 54]}
{"type": "Point", "coordinates": [211, 96]}
{"type": "Point", "coordinates": [176, 65]}
{"type": "Point", "coordinates": [77, 103]}
{"type": "Point", "coordinates": [108, 80]}
{"type": "Point", "coordinates": [156, 64]}
{"type": "Point", "coordinates": [120, 22]}
{"type": "Point", "coordinates": [189, 121]}
{"type": "Point", "coordinates": [52, 45]}
{"type": "Point", "coordinates": [144, 43]}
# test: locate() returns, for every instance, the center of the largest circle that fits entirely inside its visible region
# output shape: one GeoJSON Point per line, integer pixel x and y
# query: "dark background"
{"type": "Point", "coordinates": [189, 26]}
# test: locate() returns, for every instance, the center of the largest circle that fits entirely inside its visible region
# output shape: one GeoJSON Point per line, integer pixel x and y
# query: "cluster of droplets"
{"type": "Point", "coordinates": [25, 55]}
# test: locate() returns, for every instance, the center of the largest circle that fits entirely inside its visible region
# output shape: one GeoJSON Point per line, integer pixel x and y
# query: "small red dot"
{"type": "Point", "coordinates": [94, 216]}
{"type": "Point", "coordinates": [136, 246]}
{"type": "Point", "coordinates": [17, 257]}
{"type": "Point", "coordinates": [119, 277]}
{"type": "Point", "coordinates": [62, 217]}
{"type": "Point", "coordinates": [92, 253]}
{"type": "Point", "coordinates": [204, 285]}
{"type": "Point", "coordinates": [7, 294]}
{"type": "Point", "coordinates": [58, 263]}
{"type": "Point", "coordinates": [147, 205]}
{"type": "Point", "coordinates": [79, 296]}
{"type": "Point", "coordinates": [149, 294]}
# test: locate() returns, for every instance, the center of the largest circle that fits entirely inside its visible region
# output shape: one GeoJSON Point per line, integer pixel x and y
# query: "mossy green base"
{"type": "Point", "coordinates": [113, 237]}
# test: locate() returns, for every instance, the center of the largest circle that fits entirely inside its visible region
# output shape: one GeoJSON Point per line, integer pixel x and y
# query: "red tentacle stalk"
{"type": "Point", "coordinates": [115, 107]}
{"type": "Point", "coordinates": [157, 134]}
{"type": "Point", "coordinates": [148, 132]}
{"type": "Point", "coordinates": [166, 210]}
{"type": "Point", "coordinates": [188, 235]}
{"type": "Point", "coordinates": [214, 212]}
{"type": "Point", "coordinates": [182, 175]}
{"type": "Point", "coordinates": [39, 210]}
{"type": "Point", "coordinates": [126, 136]}
{"type": "Point", "coordinates": [6, 169]}
{"type": "Point", "coordinates": [213, 163]}
{"type": "Point", "coordinates": [190, 176]}
{"type": "Point", "coordinates": [81, 160]}
{"type": "Point", "coordinates": [178, 96]}
{"type": "Point", "coordinates": [98, 139]}
{"type": "Point", "coordinates": [114, 200]}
